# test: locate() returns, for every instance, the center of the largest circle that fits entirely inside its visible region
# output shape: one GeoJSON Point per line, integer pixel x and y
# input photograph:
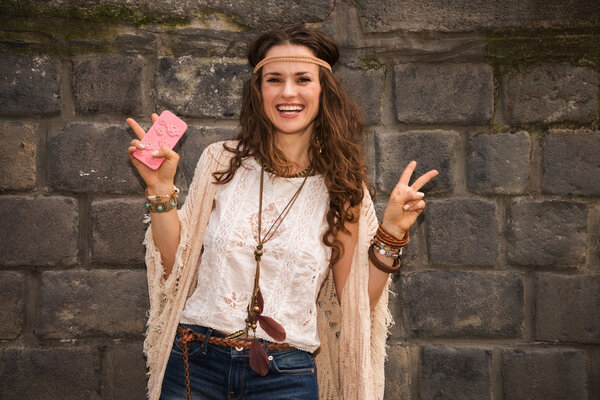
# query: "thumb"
{"type": "Point", "coordinates": [166, 152]}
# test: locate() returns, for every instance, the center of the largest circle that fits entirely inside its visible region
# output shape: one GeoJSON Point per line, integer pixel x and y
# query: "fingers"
{"type": "Point", "coordinates": [166, 152]}
{"type": "Point", "coordinates": [407, 173]}
{"type": "Point", "coordinates": [423, 179]}
{"type": "Point", "coordinates": [154, 117]}
{"type": "Point", "coordinates": [419, 206]}
{"type": "Point", "coordinates": [137, 129]}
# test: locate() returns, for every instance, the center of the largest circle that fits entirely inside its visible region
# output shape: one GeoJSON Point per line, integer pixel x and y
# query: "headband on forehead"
{"type": "Point", "coordinates": [292, 58]}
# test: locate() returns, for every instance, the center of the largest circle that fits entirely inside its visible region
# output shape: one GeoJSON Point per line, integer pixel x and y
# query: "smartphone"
{"type": "Point", "coordinates": [167, 130]}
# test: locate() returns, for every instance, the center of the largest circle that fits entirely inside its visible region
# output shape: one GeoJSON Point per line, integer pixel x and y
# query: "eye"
{"type": "Point", "coordinates": [273, 80]}
{"type": "Point", "coordinates": [304, 79]}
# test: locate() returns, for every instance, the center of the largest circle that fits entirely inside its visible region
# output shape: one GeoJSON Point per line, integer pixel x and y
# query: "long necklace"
{"type": "Point", "coordinates": [258, 357]}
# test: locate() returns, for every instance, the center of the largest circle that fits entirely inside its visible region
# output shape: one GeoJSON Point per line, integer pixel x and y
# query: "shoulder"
{"type": "Point", "coordinates": [218, 154]}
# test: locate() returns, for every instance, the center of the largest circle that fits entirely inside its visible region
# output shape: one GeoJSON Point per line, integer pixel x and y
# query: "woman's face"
{"type": "Point", "coordinates": [290, 91]}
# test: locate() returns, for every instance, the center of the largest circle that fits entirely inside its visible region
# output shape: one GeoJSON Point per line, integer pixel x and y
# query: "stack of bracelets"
{"type": "Point", "coordinates": [389, 246]}
{"type": "Point", "coordinates": [160, 204]}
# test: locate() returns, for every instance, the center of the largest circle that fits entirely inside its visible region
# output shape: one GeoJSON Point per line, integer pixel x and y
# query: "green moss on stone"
{"type": "Point", "coordinates": [511, 50]}
{"type": "Point", "coordinates": [370, 63]}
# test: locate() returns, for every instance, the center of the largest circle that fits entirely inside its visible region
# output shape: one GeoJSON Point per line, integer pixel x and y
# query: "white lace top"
{"type": "Point", "coordinates": [293, 267]}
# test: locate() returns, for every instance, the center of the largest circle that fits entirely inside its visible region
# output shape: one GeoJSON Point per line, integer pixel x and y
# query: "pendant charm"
{"type": "Point", "coordinates": [258, 252]}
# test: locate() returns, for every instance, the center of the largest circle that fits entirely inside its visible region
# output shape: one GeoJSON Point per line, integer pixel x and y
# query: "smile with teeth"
{"type": "Point", "coordinates": [289, 109]}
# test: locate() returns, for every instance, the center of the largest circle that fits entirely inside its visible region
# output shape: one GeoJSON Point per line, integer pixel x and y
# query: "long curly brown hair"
{"type": "Point", "coordinates": [339, 130]}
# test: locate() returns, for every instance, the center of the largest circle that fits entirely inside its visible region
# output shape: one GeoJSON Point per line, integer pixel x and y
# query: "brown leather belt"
{"type": "Point", "coordinates": [188, 336]}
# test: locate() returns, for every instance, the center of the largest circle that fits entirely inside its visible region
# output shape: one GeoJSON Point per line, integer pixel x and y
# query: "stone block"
{"type": "Point", "coordinates": [571, 164]}
{"type": "Point", "coordinates": [261, 15]}
{"type": "Point", "coordinates": [118, 231]}
{"type": "Point", "coordinates": [550, 93]}
{"type": "Point", "coordinates": [108, 83]}
{"type": "Point", "coordinates": [201, 42]}
{"type": "Point", "coordinates": [200, 88]}
{"type": "Point", "coordinates": [567, 308]}
{"type": "Point", "coordinates": [462, 304]}
{"type": "Point", "coordinates": [79, 304]}
{"type": "Point", "coordinates": [544, 374]}
{"type": "Point", "coordinates": [38, 230]}
{"type": "Point", "coordinates": [129, 367]}
{"type": "Point", "coordinates": [499, 163]}
{"type": "Point", "coordinates": [365, 86]}
{"type": "Point", "coordinates": [29, 85]}
{"type": "Point", "coordinates": [90, 157]}
{"type": "Point", "coordinates": [462, 232]}
{"type": "Point", "coordinates": [444, 93]}
{"type": "Point", "coordinates": [18, 148]}
{"type": "Point", "coordinates": [195, 141]}
{"type": "Point", "coordinates": [12, 294]}
{"type": "Point", "coordinates": [456, 373]}
{"type": "Point", "coordinates": [398, 373]}
{"type": "Point", "coordinates": [138, 42]}
{"type": "Point", "coordinates": [431, 149]}
{"type": "Point", "coordinates": [466, 16]}
{"type": "Point", "coordinates": [547, 233]}
{"type": "Point", "coordinates": [50, 373]}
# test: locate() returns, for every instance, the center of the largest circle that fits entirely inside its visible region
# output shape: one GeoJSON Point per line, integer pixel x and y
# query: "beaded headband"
{"type": "Point", "coordinates": [292, 58]}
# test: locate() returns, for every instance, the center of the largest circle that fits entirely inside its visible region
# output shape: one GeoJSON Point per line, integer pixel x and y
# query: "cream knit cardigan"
{"type": "Point", "coordinates": [350, 360]}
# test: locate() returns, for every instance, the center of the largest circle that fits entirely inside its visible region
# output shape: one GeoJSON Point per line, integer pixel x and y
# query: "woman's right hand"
{"type": "Point", "coordinates": [159, 182]}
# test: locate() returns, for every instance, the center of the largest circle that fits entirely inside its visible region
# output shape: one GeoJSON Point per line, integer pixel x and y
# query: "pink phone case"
{"type": "Point", "coordinates": [167, 130]}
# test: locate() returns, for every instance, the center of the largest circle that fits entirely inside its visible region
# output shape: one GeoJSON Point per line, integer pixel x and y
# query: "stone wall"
{"type": "Point", "coordinates": [500, 294]}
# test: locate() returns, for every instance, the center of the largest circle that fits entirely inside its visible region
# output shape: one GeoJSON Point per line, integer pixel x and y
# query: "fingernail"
{"type": "Point", "coordinates": [141, 146]}
{"type": "Point", "coordinates": [154, 153]}
{"type": "Point", "coordinates": [420, 194]}
{"type": "Point", "coordinates": [406, 207]}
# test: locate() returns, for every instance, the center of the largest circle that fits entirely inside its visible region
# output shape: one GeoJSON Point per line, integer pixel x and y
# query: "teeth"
{"type": "Point", "coordinates": [290, 108]}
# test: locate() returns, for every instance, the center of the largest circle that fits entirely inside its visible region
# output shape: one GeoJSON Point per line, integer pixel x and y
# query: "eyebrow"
{"type": "Point", "coordinates": [296, 74]}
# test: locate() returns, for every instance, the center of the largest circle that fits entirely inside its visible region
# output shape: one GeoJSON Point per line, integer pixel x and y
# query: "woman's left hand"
{"type": "Point", "coordinates": [406, 202]}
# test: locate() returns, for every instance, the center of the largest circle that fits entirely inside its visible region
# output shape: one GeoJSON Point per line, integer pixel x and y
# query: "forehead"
{"type": "Point", "coordinates": [287, 66]}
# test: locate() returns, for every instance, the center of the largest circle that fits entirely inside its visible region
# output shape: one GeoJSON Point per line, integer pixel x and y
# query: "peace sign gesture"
{"type": "Point", "coordinates": [406, 202]}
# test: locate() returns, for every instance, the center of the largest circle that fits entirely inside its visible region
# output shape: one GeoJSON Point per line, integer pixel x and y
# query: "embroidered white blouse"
{"type": "Point", "coordinates": [293, 267]}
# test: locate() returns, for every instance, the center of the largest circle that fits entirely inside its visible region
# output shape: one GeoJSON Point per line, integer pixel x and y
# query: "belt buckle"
{"type": "Point", "coordinates": [239, 348]}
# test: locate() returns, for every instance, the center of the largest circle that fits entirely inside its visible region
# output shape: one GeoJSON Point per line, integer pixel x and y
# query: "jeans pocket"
{"type": "Point", "coordinates": [194, 348]}
{"type": "Point", "coordinates": [294, 362]}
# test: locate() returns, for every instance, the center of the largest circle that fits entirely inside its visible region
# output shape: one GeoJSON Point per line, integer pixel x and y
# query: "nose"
{"type": "Point", "coordinates": [289, 88]}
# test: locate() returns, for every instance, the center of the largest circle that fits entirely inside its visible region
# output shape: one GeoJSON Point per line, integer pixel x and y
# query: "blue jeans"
{"type": "Point", "coordinates": [218, 373]}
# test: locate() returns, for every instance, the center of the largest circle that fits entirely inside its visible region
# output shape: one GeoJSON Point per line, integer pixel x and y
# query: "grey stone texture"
{"type": "Point", "coordinates": [18, 149]}
{"type": "Point", "coordinates": [547, 233]}
{"type": "Point", "coordinates": [431, 149]}
{"type": "Point", "coordinates": [118, 230]}
{"type": "Point", "coordinates": [29, 84]}
{"type": "Point", "coordinates": [550, 93]}
{"type": "Point", "coordinates": [456, 373]}
{"type": "Point", "coordinates": [465, 16]}
{"type": "Point", "coordinates": [66, 373]}
{"type": "Point", "coordinates": [91, 157]}
{"type": "Point", "coordinates": [195, 141]}
{"type": "Point", "coordinates": [444, 93]}
{"type": "Point", "coordinates": [129, 367]}
{"type": "Point", "coordinates": [365, 86]}
{"type": "Point", "coordinates": [87, 303]}
{"type": "Point", "coordinates": [201, 42]}
{"type": "Point", "coordinates": [571, 163]}
{"type": "Point", "coordinates": [38, 230]}
{"type": "Point", "coordinates": [108, 83]}
{"type": "Point", "coordinates": [462, 231]}
{"type": "Point", "coordinates": [12, 298]}
{"type": "Point", "coordinates": [567, 308]}
{"type": "Point", "coordinates": [544, 374]}
{"type": "Point", "coordinates": [463, 304]}
{"type": "Point", "coordinates": [499, 163]}
{"type": "Point", "coordinates": [398, 373]}
{"type": "Point", "coordinates": [203, 88]}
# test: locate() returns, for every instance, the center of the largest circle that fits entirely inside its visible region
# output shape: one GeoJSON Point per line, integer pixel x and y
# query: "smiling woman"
{"type": "Point", "coordinates": [271, 281]}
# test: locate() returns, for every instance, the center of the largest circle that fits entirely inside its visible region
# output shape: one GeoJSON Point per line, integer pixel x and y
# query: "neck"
{"type": "Point", "coordinates": [295, 149]}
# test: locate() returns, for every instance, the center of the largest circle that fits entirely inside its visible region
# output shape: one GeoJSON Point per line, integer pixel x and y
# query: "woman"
{"type": "Point", "coordinates": [278, 225]}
